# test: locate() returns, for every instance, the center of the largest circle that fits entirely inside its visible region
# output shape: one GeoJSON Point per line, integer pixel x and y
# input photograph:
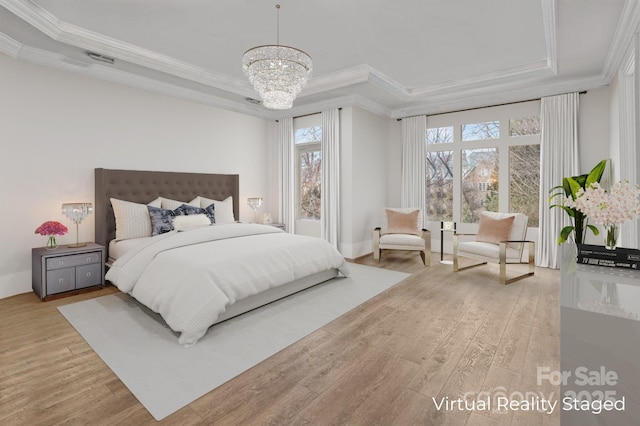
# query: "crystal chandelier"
{"type": "Point", "coordinates": [278, 73]}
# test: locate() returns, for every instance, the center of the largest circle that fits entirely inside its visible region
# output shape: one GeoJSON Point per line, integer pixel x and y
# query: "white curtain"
{"type": "Point", "coordinates": [414, 130]}
{"type": "Point", "coordinates": [330, 198]}
{"type": "Point", "coordinates": [558, 159]}
{"type": "Point", "coordinates": [286, 177]}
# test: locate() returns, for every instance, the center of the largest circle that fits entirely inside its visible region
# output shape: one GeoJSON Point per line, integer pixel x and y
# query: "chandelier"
{"type": "Point", "coordinates": [278, 73]}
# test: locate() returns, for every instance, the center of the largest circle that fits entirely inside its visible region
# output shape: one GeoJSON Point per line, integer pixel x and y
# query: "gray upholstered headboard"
{"type": "Point", "coordinates": [144, 186]}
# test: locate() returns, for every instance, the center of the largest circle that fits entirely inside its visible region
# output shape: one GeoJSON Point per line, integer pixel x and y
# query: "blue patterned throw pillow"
{"type": "Point", "coordinates": [161, 220]}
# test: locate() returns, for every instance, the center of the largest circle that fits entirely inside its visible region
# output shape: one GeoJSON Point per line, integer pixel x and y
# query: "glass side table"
{"type": "Point", "coordinates": [445, 227]}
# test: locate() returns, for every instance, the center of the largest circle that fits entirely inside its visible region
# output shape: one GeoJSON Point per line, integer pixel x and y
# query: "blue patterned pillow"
{"type": "Point", "coordinates": [210, 211]}
{"type": "Point", "coordinates": [161, 220]}
{"type": "Point", "coordinates": [186, 209]}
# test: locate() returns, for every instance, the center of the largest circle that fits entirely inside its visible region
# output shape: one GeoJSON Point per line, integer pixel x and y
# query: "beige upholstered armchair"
{"type": "Point", "coordinates": [500, 239]}
{"type": "Point", "coordinates": [401, 229]}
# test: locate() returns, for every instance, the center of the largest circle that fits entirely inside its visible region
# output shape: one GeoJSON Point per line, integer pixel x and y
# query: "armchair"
{"type": "Point", "coordinates": [500, 239]}
{"type": "Point", "coordinates": [401, 229]}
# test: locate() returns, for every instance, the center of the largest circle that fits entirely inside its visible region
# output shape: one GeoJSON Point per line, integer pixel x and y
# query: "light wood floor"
{"type": "Point", "coordinates": [436, 334]}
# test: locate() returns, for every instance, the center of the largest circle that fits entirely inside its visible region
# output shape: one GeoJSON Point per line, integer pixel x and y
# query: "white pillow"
{"type": "Point", "coordinates": [184, 222]}
{"type": "Point", "coordinates": [223, 209]}
{"type": "Point", "coordinates": [169, 204]}
{"type": "Point", "coordinates": [132, 219]}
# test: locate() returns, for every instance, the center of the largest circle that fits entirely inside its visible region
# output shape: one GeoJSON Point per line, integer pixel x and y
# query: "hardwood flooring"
{"type": "Point", "coordinates": [437, 334]}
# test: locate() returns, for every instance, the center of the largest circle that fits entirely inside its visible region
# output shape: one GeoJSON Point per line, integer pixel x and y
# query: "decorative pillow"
{"type": "Point", "coordinates": [494, 230]}
{"type": "Point", "coordinates": [187, 209]}
{"type": "Point", "coordinates": [403, 223]}
{"type": "Point", "coordinates": [182, 223]}
{"type": "Point", "coordinates": [223, 209]}
{"type": "Point", "coordinates": [132, 219]}
{"type": "Point", "coordinates": [161, 220]}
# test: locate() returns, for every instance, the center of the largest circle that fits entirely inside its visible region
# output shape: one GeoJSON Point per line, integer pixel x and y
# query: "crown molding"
{"type": "Point", "coordinates": [550, 25]}
{"type": "Point", "coordinates": [498, 94]}
{"type": "Point", "coordinates": [627, 27]}
{"type": "Point", "coordinates": [106, 73]}
{"type": "Point", "coordinates": [482, 80]}
{"type": "Point", "coordinates": [80, 37]}
{"type": "Point", "coordinates": [9, 46]}
{"type": "Point", "coordinates": [335, 80]}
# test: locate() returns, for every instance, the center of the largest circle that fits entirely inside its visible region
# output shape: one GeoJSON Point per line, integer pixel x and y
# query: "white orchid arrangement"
{"type": "Point", "coordinates": [609, 208]}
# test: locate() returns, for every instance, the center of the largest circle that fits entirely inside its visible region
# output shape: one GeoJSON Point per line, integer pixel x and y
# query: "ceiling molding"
{"type": "Point", "coordinates": [336, 80]}
{"type": "Point", "coordinates": [106, 73]}
{"type": "Point", "coordinates": [498, 95]}
{"type": "Point", "coordinates": [80, 37]}
{"type": "Point", "coordinates": [9, 46]}
{"type": "Point", "coordinates": [35, 15]}
{"type": "Point", "coordinates": [550, 25]}
{"type": "Point", "coordinates": [481, 80]}
{"type": "Point", "coordinates": [627, 27]}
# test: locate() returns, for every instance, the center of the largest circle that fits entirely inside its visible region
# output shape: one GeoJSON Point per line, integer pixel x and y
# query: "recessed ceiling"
{"type": "Point", "coordinates": [393, 58]}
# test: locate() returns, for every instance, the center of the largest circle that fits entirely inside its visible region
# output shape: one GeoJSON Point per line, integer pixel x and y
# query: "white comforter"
{"type": "Point", "coordinates": [191, 277]}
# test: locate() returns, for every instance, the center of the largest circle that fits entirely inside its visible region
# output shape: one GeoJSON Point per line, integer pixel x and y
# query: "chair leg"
{"type": "Point", "coordinates": [456, 266]}
{"type": "Point", "coordinates": [503, 264]}
{"type": "Point", "coordinates": [425, 259]}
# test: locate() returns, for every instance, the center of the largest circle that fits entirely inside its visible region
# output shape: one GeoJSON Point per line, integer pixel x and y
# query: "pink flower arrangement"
{"type": "Point", "coordinates": [51, 228]}
{"type": "Point", "coordinates": [617, 206]}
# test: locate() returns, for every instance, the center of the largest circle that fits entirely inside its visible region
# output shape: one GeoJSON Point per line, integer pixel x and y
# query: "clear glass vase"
{"type": "Point", "coordinates": [611, 236]}
{"type": "Point", "coordinates": [52, 244]}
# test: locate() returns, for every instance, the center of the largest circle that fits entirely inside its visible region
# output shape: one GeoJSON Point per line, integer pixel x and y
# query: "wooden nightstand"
{"type": "Point", "coordinates": [67, 270]}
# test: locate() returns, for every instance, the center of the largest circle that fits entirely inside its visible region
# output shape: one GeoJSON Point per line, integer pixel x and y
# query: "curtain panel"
{"type": "Point", "coordinates": [330, 189]}
{"type": "Point", "coordinates": [414, 169]}
{"type": "Point", "coordinates": [286, 175]}
{"type": "Point", "coordinates": [558, 159]}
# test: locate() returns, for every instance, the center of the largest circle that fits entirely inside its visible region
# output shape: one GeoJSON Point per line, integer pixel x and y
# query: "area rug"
{"type": "Point", "coordinates": [164, 376]}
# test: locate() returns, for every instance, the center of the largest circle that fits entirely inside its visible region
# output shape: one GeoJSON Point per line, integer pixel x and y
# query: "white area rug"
{"type": "Point", "coordinates": [144, 353]}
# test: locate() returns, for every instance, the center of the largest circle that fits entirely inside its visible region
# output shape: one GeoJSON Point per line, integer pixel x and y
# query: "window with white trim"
{"type": "Point", "coordinates": [308, 143]}
{"type": "Point", "coordinates": [486, 159]}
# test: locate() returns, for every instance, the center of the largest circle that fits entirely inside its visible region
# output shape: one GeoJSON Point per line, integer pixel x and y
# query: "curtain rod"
{"type": "Point", "coordinates": [307, 115]}
{"type": "Point", "coordinates": [471, 109]}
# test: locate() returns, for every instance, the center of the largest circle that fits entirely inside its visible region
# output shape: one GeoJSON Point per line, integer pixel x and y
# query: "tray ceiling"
{"type": "Point", "coordinates": [392, 58]}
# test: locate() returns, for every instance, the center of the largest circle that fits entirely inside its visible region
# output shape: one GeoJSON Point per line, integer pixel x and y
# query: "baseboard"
{"type": "Point", "coordinates": [353, 251]}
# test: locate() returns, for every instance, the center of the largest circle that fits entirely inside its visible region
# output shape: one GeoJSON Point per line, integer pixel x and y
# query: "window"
{"type": "Point", "coordinates": [479, 131]}
{"type": "Point", "coordinates": [473, 166]}
{"type": "Point", "coordinates": [479, 169]}
{"type": "Point", "coordinates": [309, 172]}
{"type": "Point", "coordinates": [524, 126]}
{"type": "Point", "coordinates": [524, 182]}
{"type": "Point", "coordinates": [440, 175]}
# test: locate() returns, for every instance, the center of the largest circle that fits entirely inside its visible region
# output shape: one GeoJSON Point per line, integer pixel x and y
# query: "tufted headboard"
{"type": "Point", "coordinates": [144, 186]}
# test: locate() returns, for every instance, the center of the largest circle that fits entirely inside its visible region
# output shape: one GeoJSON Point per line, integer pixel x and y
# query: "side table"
{"type": "Point", "coordinates": [67, 270]}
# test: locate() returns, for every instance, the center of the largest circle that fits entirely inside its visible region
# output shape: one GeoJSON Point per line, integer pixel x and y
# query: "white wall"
{"type": "Point", "coordinates": [364, 168]}
{"type": "Point", "coordinates": [593, 128]}
{"type": "Point", "coordinates": [57, 127]}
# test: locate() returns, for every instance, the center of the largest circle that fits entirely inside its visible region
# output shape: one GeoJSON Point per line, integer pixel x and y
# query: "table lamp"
{"type": "Point", "coordinates": [77, 212]}
{"type": "Point", "coordinates": [255, 203]}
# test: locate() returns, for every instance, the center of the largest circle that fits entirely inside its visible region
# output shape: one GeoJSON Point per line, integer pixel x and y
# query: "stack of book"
{"type": "Point", "coordinates": [599, 256]}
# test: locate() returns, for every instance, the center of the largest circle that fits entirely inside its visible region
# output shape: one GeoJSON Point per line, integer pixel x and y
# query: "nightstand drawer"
{"type": "Point", "coordinates": [60, 280]}
{"type": "Point", "coordinates": [88, 275]}
{"type": "Point", "coordinates": [74, 260]}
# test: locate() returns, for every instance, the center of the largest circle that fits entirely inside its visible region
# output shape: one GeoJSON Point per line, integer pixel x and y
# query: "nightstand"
{"type": "Point", "coordinates": [67, 270]}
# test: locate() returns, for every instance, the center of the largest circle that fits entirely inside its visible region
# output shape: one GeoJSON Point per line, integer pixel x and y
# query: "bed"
{"type": "Point", "coordinates": [202, 275]}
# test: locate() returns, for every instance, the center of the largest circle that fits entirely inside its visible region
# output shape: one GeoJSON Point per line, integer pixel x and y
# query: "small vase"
{"type": "Point", "coordinates": [611, 235]}
{"type": "Point", "coordinates": [52, 244]}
